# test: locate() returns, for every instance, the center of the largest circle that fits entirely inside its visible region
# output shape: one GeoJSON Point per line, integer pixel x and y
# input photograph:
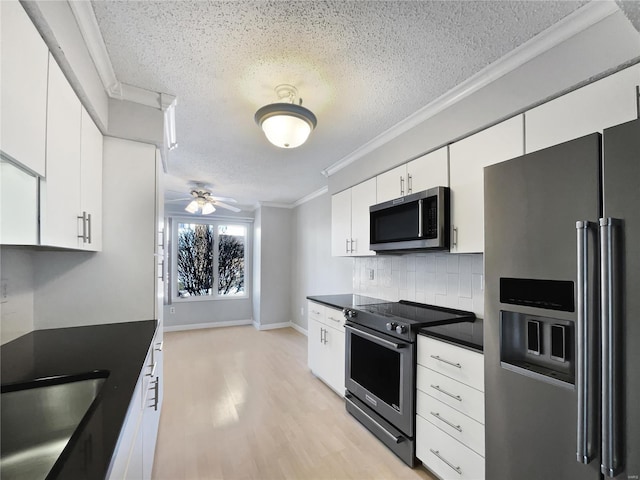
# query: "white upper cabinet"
{"type": "Point", "coordinates": [350, 220]}
{"type": "Point", "coordinates": [90, 185]}
{"type": "Point", "coordinates": [429, 171]}
{"type": "Point", "coordinates": [589, 109]}
{"type": "Point", "coordinates": [18, 206]}
{"type": "Point", "coordinates": [60, 190]}
{"type": "Point", "coordinates": [23, 88]}
{"type": "Point", "coordinates": [467, 159]}
{"type": "Point", "coordinates": [340, 223]}
{"type": "Point", "coordinates": [391, 184]}
{"type": "Point", "coordinates": [363, 196]}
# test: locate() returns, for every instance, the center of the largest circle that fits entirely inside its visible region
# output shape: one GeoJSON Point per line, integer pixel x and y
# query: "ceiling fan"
{"type": "Point", "coordinates": [204, 203]}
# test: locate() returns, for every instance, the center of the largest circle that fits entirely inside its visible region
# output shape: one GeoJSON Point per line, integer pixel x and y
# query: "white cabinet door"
{"type": "Point", "coordinates": [430, 170]}
{"type": "Point", "coordinates": [589, 109]}
{"type": "Point", "coordinates": [91, 183]}
{"type": "Point", "coordinates": [391, 184]}
{"type": "Point", "coordinates": [60, 190]}
{"type": "Point", "coordinates": [467, 159]}
{"type": "Point", "coordinates": [363, 196]}
{"type": "Point", "coordinates": [334, 350]}
{"type": "Point", "coordinates": [23, 88]}
{"type": "Point", "coordinates": [341, 223]}
{"type": "Point", "coordinates": [315, 347]}
{"type": "Point", "coordinates": [18, 206]}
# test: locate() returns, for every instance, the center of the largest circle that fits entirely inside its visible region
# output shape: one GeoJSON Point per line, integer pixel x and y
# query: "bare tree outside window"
{"type": "Point", "coordinates": [230, 262]}
{"type": "Point", "coordinates": [196, 258]}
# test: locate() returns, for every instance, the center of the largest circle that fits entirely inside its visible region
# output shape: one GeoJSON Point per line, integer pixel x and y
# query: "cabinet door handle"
{"type": "Point", "coordinates": [337, 320]}
{"type": "Point", "coordinates": [161, 265]}
{"type": "Point", "coordinates": [444, 420]}
{"type": "Point", "coordinates": [352, 241]}
{"type": "Point", "coordinates": [455, 397]}
{"type": "Point", "coordinates": [409, 183]}
{"type": "Point", "coordinates": [449, 464]}
{"type": "Point", "coordinates": [84, 227]}
{"type": "Point", "coordinates": [156, 388]}
{"type": "Point", "coordinates": [401, 186]}
{"type": "Point", "coordinates": [437, 357]}
{"type": "Point", "coordinates": [153, 369]}
{"type": "Point", "coordinates": [346, 248]}
{"type": "Point", "coordinates": [159, 346]}
{"type": "Point", "coordinates": [454, 240]}
{"type": "Point", "coordinates": [89, 228]}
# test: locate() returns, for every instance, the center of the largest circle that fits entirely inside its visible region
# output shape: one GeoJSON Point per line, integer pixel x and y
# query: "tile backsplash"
{"type": "Point", "coordinates": [444, 279]}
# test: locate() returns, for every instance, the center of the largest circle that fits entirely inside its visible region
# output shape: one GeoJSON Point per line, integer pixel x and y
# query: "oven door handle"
{"type": "Point", "coordinates": [376, 339]}
{"type": "Point", "coordinates": [377, 424]}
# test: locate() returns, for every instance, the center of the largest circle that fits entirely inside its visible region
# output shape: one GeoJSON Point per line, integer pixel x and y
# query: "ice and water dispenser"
{"type": "Point", "coordinates": [538, 346]}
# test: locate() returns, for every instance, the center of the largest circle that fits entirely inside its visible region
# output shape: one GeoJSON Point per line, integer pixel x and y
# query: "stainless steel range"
{"type": "Point", "coordinates": [380, 374]}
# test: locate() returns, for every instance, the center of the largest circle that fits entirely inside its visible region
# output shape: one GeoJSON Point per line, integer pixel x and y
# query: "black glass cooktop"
{"type": "Point", "coordinates": [411, 312]}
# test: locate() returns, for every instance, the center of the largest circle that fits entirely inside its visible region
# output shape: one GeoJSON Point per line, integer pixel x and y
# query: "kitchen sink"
{"type": "Point", "coordinates": [39, 418]}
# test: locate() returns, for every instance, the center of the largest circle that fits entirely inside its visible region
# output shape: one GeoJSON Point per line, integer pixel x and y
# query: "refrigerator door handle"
{"type": "Point", "coordinates": [585, 361]}
{"type": "Point", "coordinates": [611, 453]}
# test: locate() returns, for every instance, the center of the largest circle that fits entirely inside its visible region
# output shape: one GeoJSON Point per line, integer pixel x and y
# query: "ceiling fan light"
{"type": "Point", "coordinates": [208, 208]}
{"type": "Point", "coordinates": [192, 207]}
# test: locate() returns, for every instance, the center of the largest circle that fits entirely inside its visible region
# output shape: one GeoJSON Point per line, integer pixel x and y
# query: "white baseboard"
{"type": "Point", "coordinates": [197, 326]}
{"type": "Point", "coordinates": [272, 326]}
{"type": "Point", "coordinates": [299, 329]}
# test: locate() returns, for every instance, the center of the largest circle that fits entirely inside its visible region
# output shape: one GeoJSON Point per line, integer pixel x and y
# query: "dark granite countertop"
{"type": "Point", "coordinates": [118, 348]}
{"type": "Point", "coordinates": [463, 334]}
{"type": "Point", "coordinates": [346, 300]}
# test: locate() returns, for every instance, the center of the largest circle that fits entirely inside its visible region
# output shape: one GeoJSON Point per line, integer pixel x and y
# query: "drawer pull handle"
{"type": "Point", "coordinates": [438, 358]}
{"type": "Point", "coordinates": [442, 419]}
{"type": "Point", "coordinates": [451, 465]}
{"type": "Point", "coordinates": [455, 397]}
{"type": "Point", "coordinates": [334, 319]}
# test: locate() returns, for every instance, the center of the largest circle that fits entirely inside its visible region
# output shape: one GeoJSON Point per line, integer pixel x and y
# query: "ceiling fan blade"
{"type": "Point", "coordinates": [222, 199]}
{"type": "Point", "coordinates": [228, 207]}
{"type": "Point", "coordinates": [179, 199]}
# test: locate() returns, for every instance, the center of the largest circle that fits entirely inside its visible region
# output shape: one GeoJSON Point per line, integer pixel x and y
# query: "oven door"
{"type": "Point", "coordinates": [380, 371]}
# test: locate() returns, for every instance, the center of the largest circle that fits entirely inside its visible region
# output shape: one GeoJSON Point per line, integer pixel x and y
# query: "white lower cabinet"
{"type": "Point", "coordinates": [326, 341]}
{"type": "Point", "coordinates": [450, 410]}
{"type": "Point", "coordinates": [133, 458]}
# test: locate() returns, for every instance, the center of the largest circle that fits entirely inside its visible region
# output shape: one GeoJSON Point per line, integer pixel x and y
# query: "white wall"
{"type": "Point", "coordinates": [272, 267]}
{"type": "Point", "coordinates": [16, 293]}
{"type": "Point", "coordinates": [117, 284]}
{"type": "Point", "coordinates": [314, 271]}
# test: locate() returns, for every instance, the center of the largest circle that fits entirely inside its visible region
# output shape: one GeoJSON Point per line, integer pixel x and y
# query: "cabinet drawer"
{"type": "Point", "coordinates": [454, 362]}
{"type": "Point", "coordinates": [457, 395]}
{"type": "Point", "coordinates": [459, 426]}
{"type": "Point", "coordinates": [316, 311]}
{"type": "Point", "coordinates": [334, 317]}
{"type": "Point", "coordinates": [445, 456]}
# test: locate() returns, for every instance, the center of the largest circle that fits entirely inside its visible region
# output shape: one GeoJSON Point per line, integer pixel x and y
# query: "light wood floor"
{"type": "Point", "coordinates": [242, 404]}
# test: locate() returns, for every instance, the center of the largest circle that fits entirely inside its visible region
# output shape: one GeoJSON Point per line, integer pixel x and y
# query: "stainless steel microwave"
{"type": "Point", "coordinates": [414, 222]}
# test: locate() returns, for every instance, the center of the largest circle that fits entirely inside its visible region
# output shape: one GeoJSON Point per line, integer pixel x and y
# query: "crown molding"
{"type": "Point", "coordinates": [88, 25]}
{"type": "Point", "coordinates": [274, 205]}
{"type": "Point", "coordinates": [311, 196]}
{"type": "Point", "coordinates": [583, 18]}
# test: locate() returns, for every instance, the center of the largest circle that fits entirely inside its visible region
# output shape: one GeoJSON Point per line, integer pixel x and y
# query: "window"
{"type": "Point", "coordinates": [210, 260]}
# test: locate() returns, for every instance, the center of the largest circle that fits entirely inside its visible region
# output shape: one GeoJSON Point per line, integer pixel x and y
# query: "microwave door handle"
{"type": "Point", "coordinates": [420, 226]}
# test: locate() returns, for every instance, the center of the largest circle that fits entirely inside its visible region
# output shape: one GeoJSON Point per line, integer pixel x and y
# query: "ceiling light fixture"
{"type": "Point", "coordinates": [200, 204]}
{"type": "Point", "coordinates": [285, 123]}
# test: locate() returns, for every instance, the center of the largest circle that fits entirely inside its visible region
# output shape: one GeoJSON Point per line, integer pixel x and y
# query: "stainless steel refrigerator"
{"type": "Point", "coordinates": [562, 311]}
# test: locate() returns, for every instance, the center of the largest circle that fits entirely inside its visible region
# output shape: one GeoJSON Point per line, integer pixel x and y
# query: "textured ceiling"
{"type": "Point", "coordinates": [360, 66]}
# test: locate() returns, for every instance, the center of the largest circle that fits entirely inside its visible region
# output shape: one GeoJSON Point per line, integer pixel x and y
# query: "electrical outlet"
{"type": "Point", "coordinates": [371, 274]}
{"type": "Point", "coordinates": [172, 309]}
{"type": "Point", "coordinates": [302, 311]}
{"type": "Point", "coordinates": [4, 289]}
